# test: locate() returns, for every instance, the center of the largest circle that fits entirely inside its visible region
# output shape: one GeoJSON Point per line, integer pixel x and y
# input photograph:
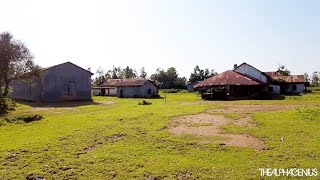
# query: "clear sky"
{"type": "Point", "coordinates": [213, 34]}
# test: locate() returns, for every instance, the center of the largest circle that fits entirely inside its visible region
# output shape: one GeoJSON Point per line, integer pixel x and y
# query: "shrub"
{"type": "Point", "coordinates": [171, 90]}
{"type": "Point", "coordinates": [6, 105]}
{"type": "Point", "coordinates": [20, 119]}
{"type": "Point", "coordinates": [314, 88]}
{"type": "Point", "coordinates": [145, 103]}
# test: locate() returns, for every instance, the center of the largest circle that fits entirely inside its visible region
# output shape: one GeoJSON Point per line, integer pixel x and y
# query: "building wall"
{"type": "Point", "coordinates": [26, 91]}
{"type": "Point", "coordinates": [109, 91]}
{"type": "Point", "coordinates": [138, 91]}
{"type": "Point", "coordinates": [299, 88]}
{"type": "Point", "coordinates": [190, 86]}
{"type": "Point", "coordinates": [96, 92]}
{"type": "Point", "coordinates": [66, 82]}
{"type": "Point", "coordinates": [275, 89]}
{"type": "Point", "coordinates": [252, 72]}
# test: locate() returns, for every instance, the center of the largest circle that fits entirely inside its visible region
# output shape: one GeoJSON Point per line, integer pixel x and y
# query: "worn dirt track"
{"type": "Point", "coordinates": [206, 124]}
{"type": "Point", "coordinates": [209, 123]}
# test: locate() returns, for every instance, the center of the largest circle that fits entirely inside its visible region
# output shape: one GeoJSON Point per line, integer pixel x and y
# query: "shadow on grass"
{"type": "Point", "coordinates": [59, 104]}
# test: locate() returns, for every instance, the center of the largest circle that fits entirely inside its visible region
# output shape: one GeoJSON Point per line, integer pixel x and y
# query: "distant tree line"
{"type": "Point", "coordinates": [314, 79]}
{"type": "Point", "coordinates": [117, 73]}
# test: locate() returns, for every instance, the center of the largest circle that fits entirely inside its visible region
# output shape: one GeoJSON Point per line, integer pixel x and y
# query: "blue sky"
{"type": "Point", "coordinates": [165, 33]}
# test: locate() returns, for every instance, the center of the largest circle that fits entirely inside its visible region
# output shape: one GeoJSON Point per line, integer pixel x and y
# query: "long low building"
{"type": "Point", "coordinates": [127, 88]}
{"type": "Point", "coordinates": [247, 82]}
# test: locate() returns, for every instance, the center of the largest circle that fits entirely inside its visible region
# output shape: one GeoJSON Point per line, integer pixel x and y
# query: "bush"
{"type": "Point", "coordinates": [7, 105]}
{"type": "Point", "coordinates": [171, 90]}
{"type": "Point", "coordinates": [145, 103]}
{"type": "Point", "coordinates": [20, 119]}
{"type": "Point", "coordinates": [317, 88]}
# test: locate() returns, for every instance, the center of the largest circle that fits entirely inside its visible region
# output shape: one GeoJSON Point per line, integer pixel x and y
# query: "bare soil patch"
{"type": "Point", "coordinates": [243, 140]}
{"type": "Point", "coordinates": [245, 121]}
{"type": "Point", "coordinates": [191, 124]}
{"type": "Point", "coordinates": [253, 108]}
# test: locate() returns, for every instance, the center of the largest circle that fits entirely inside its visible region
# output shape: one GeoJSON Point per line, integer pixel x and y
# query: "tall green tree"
{"type": "Point", "coordinates": [168, 79]}
{"type": "Point", "coordinates": [143, 73]}
{"type": "Point", "coordinates": [315, 79]}
{"type": "Point", "coordinates": [306, 77]}
{"type": "Point", "coordinates": [200, 74]}
{"type": "Point", "coordinates": [100, 76]}
{"type": "Point", "coordinates": [283, 70]}
{"type": "Point", "coordinates": [16, 63]}
{"type": "Point", "coordinates": [129, 72]}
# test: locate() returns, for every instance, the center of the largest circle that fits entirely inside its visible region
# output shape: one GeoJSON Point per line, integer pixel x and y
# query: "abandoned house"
{"type": "Point", "coordinates": [247, 82]}
{"type": "Point", "coordinates": [127, 88]}
{"type": "Point", "coordinates": [190, 86]}
{"type": "Point", "coordinates": [62, 82]}
{"type": "Point", "coordinates": [292, 84]}
{"type": "Point", "coordinates": [108, 88]}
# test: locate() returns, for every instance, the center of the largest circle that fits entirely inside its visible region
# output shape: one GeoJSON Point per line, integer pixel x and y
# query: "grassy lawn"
{"type": "Point", "coordinates": [124, 140]}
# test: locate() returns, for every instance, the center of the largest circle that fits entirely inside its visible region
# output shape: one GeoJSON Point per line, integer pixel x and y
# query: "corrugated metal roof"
{"type": "Point", "coordinates": [47, 68]}
{"type": "Point", "coordinates": [229, 77]}
{"type": "Point", "coordinates": [289, 79]}
{"type": "Point", "coordinates": [272, 73]}
{"type": "Point", "coordinates": [110, 83]}
{"type": "Point", "coordinates": [124, 82]}
{"type": "Point", "coordinates": [132, 82]}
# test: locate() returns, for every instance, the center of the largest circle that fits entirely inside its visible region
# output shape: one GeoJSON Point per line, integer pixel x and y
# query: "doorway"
{"type": "Point", "coordinates": [71, 88]}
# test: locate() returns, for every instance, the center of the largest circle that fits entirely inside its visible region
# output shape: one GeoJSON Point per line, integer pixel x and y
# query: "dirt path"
{"type": "Point", "coordinates": [253, 108]}
{"type": "Point", "coordinates": [205, 124]}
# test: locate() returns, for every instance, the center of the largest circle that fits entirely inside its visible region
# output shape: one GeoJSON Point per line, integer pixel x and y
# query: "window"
{"type": "Point", "coordinates": [270, 89]}
{"type": "Point", "coordinates": [149, 91]}
{"type": "Point", "coordinates": [294, 87]}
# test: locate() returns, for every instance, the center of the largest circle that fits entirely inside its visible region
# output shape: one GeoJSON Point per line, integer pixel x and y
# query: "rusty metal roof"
{"type": "Point", "coordinates": [289, 79]}
{"type": "Point", "coordinates": [132, 82]}
{"type": "Point", "coordinates": [110, 83]}
{"type": "Point", "coordinates": [229, 77]}
{"type": "Point", "coordinates": [125, 82]}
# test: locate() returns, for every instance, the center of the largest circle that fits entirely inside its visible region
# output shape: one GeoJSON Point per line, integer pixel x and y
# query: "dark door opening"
{"type": "Point", "coordinates": [121, 93]}
{"type": "Point", "coordinates": [103, 92]}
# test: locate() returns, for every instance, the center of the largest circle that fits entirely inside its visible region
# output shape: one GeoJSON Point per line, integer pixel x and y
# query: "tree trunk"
{"type": "Point", "coordinates": [2, 108]}
{"type": "Point", "coordinates": [6, 88]}
{"type": "Point", "coordinates": [1, 92]}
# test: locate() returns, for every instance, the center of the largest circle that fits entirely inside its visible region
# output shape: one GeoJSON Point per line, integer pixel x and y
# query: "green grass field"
{"type": "Point", "coordinates": [125, 140]}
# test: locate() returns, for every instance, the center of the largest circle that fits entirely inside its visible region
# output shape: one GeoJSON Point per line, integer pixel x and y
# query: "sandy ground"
{"type": "Point", "coordinates": [253, 108]}
{"type": "Point", "coordinates": [210, 122]}
{"type": "Point", "coordinates": [205, 124]}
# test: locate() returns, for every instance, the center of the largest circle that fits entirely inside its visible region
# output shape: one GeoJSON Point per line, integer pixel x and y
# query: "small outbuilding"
{"type": "Point", "coordinates": [62, 82]}
{"type": "Point", "coordinates": [290, 84]}
{"type": "Point", "coordinates": [127, 88]}
{"type": "Point", "coordinates": [231, 85]}
{"type": "Point", "coordinates": [190, 86]}
{"type": "Point", "coordinates": [108, 88]}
